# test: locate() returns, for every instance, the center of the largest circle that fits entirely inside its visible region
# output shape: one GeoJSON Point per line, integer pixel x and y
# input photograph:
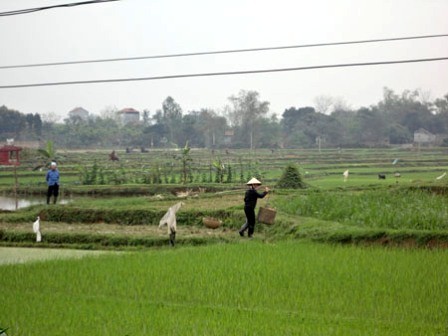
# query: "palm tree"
{"type": "Point", "coordinates": [47, 155]}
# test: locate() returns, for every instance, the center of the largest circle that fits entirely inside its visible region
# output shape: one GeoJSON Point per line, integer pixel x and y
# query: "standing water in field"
{"type": "Point", "coordinates": [10, 203]}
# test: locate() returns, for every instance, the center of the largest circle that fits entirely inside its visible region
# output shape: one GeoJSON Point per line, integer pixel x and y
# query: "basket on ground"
{"type": "Point", "coordinates": [211, 223]}
{"type": "Point", "coordinates": [266, 215]}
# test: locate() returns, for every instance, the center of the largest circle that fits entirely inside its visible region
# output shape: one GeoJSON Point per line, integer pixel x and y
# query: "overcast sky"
{"type": "Point", "coordinates": [131, 28]}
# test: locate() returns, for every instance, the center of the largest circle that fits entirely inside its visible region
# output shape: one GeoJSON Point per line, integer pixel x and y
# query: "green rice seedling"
{"type": "Point", "coordinates": [249, 288]}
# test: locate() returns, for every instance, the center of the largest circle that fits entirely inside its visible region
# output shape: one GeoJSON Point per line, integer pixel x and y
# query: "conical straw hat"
{"type": "Point", "coordinates": [253, 181]}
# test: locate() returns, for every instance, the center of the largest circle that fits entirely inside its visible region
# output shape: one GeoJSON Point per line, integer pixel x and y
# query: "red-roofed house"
{"type": "Point", "coordinates": [129, 116]}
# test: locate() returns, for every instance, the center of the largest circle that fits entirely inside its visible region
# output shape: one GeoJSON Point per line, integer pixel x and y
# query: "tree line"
{"type": "Point", "coordinates": [14, 124]}
{"type": "Point", "coordinates": [244, 123]}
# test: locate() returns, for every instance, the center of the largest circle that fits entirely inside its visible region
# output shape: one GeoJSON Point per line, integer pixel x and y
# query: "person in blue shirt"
{"type": "Point", "coordinates": [52, 182]}
{"type": "Point", "coordinates": [250, 202]}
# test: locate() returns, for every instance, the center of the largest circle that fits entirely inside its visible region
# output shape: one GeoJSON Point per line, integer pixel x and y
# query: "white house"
{"type": "Point", "coordinates": [129, 116]}
{"type": "Point", "coordinates": [79, 112]}
{"type": "Point", "coordinates": [423, 137]}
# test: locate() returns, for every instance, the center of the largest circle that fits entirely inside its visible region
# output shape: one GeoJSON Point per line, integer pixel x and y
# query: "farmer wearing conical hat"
{"type": "Point", "coordinates": [250, 201]}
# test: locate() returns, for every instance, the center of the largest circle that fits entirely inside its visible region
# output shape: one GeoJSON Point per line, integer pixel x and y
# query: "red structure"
{"type": "Point", "coordinates": [9, 155]}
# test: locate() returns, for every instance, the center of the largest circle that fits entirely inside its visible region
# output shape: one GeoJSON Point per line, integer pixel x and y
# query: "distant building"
{"type": "Point", "coordinates": [423, 137]}
{"type": "Point", "coordinates": [9, 155]}
{"type": "Point", "coordinates": [129, 116]}
{"type": "Point", "coordinates": [28, 144]}
{"type": "Point", "coordinates": [79, 112]}
{"type": "Point", "coordinates": [442, 139]}
{"type": "Point", "coordinates": [228, 136]}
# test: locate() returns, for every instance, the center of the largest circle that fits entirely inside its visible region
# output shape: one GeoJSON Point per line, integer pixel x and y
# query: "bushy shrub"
{"type": "Point", "coordinates": [291, 179]}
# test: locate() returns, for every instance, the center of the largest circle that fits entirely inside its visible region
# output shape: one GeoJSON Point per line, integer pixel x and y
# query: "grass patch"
{"type": "Point", "coordinates": [396, 208]}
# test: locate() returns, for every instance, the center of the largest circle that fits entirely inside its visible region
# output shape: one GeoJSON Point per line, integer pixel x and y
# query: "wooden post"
{"type": "Point", "coordinates": [15, 186]}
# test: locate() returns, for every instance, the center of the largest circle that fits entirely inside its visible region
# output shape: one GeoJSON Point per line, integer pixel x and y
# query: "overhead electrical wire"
{"type": "Point", "coordinates": [37, 9]}
{"type": "Point", "coordinates": [202, 53]}
{"type": "Point", "coordinates": [225, 73]}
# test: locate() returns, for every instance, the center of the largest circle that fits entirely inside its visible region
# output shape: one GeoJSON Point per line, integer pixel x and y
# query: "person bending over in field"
{"type": "Point", "coordinates": [250, 202]}
{"type": "Point", "coordinates": [52, 179]}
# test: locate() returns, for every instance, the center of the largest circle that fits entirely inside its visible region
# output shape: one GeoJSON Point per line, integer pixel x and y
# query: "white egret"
{"type": "Point", "coordinates": [345, 175]}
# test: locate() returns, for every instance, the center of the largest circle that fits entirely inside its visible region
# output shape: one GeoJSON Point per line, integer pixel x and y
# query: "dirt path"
{"type": "Point", "coordinates": [119, 230]}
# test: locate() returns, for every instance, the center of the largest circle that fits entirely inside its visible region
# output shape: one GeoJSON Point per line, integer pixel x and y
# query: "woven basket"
{"type": "Point", "coordinates": [211, 223]}
{"type": "Point", "coordinates": [266, 215]}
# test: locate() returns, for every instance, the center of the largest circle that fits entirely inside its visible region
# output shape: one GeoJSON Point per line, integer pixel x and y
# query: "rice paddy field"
{"type": "Point", "coordinates": [250, 288]}
{"type": "Point", "coordinates": [321, 169]}
{"type": "Point", "coordinates": [360, 256]}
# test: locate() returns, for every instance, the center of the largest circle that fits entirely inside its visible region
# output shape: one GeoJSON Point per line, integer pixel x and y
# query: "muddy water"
{"type": "Point", "coordinates": [16, 255]}
{"type": "Point", "coordinates": [10, 203]}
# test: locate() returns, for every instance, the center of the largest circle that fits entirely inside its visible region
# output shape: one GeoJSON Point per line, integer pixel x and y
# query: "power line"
{"type": "Point", "coordinates": [37, 9]}
{"type": "Point", "coordinates": [202, 53]}
{"type": "Point", "coordinates": [226, 73]}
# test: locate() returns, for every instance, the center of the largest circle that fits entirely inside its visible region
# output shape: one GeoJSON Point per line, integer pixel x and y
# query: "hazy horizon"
{"type": "Point", "coordinates": [131, 28]}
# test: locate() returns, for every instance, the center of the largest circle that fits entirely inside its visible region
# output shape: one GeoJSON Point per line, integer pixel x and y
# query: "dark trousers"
{"type": "Point", "coordinates": [172, 237]}
{"type": "Point", "coordinates": [53, 190]}
{"type": "Point", "coordinates": [250, 221]}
